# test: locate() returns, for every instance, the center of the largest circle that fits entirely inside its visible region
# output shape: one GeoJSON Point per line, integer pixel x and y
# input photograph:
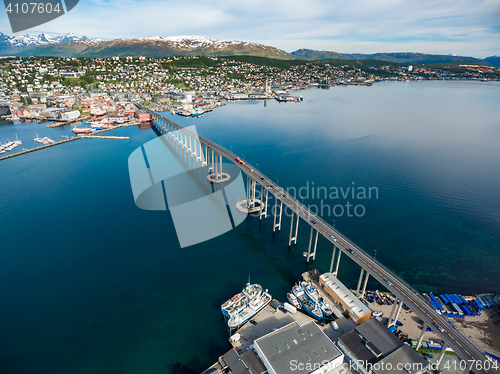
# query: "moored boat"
{"type": "Point", "coordinates": [325, 307]}
{"type": "Point", "coordinates": [311, 291]}
{"type": "Point", "coordinates": [254, 306]}
{"type": "Point", "coordinates": [80, 130]}
{"type": "Point", "coordinates": [312, 309]}
{"type": "Point", "coordinates": [198, 113]}
{"type": "Point", "coordinates": [293, 300]}
{"type": "Point", "coordinates": [243, 306]}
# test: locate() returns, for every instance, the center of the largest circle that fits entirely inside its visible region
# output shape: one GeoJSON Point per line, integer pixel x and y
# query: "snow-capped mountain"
{"type": "Point", "coordinates": [194, 41]}
{"type": "Point", "coordinates": [17, 43]}
{"type": "Point", "coordinates": [154, 46]}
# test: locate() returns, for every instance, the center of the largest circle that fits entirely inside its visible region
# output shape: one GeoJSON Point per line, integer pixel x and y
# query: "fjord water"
{"type": "Point", "coordinates": [92, 284]}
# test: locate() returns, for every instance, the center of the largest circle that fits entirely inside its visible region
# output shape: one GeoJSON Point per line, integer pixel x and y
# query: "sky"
{"type": "Point", "coordinates": [462, 27]}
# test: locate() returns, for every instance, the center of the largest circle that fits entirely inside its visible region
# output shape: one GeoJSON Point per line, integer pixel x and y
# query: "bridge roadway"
{"type": "Point", "coordinates": [462, 345]}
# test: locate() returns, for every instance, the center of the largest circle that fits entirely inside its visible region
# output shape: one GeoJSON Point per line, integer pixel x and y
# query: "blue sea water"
{"type": "Point", "coordinates": [92, 284]}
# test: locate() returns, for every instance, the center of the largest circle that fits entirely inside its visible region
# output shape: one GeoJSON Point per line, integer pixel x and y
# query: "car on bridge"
{"type": "Point", "coordinates": [438, 327]}
{"type": "Point", "coordinates": [350, 251]}
{"type": "Point", "coordinates": [386, 281]}
{"type": "Point", "coordinates": [333, 237]}
{"type": "Point", "coordinates": [313, 222]}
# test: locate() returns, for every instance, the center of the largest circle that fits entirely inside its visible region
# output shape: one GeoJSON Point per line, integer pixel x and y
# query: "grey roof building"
{"type": "Point", "coordinates": [402, 361]}
{"type": "Point", "coordinates": [372, 348]}
{"type": "Point", "coordinates": [298, 349]}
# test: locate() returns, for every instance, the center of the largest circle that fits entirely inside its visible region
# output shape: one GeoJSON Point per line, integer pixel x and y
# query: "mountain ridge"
{"type": "Point", "coordinates": [71, 45]}
{"type": "Point", "coordinates": [415, 58]}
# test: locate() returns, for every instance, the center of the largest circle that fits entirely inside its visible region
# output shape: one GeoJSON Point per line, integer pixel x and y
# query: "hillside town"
{"type": "Point", "coordinates": [66, 89]}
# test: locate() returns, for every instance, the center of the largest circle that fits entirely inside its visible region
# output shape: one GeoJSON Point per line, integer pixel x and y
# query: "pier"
{"type": "Point", "coordinates": [104, 137]}
{"type": "Point", "coordinates": [37, 148]}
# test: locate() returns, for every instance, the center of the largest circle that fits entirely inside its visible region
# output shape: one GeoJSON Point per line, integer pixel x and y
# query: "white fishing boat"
{"type": "Point", "coordinates": [244, 305]}
{"type": "Point", "coordinates": [254, 306]}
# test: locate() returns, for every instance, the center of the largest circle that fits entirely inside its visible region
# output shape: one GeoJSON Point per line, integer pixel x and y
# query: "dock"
{"type": "Point", "coordinates": [37, 148]}
{"type": "Point", "coordinates": [104, 137]}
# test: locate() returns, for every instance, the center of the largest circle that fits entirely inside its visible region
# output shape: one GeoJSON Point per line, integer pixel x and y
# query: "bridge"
{"type": "Point", "coordinates": [201, 149]}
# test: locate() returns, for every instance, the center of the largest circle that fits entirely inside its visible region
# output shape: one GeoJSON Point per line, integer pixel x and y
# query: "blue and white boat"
{"type": "Point", "coordinates": [198, 113]}
{"type": "Point", "coordinates": [311, 291]}
{"type": "Point", "coordinates": [312, 309]}
{"type": "Point", "coordinates": [313, 294]}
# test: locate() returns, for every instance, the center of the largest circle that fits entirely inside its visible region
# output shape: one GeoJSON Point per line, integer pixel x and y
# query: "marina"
{"type": "Point", "coordinates": [10, 145]}
{"type": "Point", "coordinates": [47, 142]}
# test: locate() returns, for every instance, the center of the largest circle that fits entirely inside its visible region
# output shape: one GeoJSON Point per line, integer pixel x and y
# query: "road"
{"type": "Point", "coordinates": [461, 344]}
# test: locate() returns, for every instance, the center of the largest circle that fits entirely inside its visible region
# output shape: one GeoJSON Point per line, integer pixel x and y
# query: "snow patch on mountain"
{"type": "Point", "coordinates": [194, 41]}
{"type": "Point", "coordinates": [27, 40]}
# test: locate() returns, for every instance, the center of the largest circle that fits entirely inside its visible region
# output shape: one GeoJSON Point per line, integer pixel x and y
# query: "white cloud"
{"type": "Point", "coordinates": [469, 27]}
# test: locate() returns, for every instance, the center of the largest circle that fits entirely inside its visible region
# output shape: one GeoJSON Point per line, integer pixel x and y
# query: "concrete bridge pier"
{"type": "Point", "coordinates": [188, 142]}
{"type": "Point", "coordinates": [195, 149]}
{"type": "Point", "coordinates": [211, 168]}
{"type": "Point", "coordinates": [263, 209]}
{"type": "Point", "coordinates": [204, 155]}
{"type": "Point", "coordinates": [294, 236]}
{"type": "Point", "coordinates": [338, 264]}
{"type": "Point", "coordinates": [359, 281]}
{"type": "Point", "coordinates": [365, 284]}
{"type": "Point", "coordinates": [396, 309]}
{"type": "Point", "coordinates": [315, 245]}
{"type": "Point", "coordinates": [218, 176]}
{"type": "Point", "coordinates": [333, 258]}
{"type": "Point", "coordinates": [393, 312]}
{"type": "Point", "coordinates": [421, 337]}
{"type": "Point", "coordinates": [278, 225]}
{"type": "Point", "coordinates": [250, 204]}
{"type": "Point", "coordinates": [313, 254]}
{"type": "Point", "coordinates": [441, 355]}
